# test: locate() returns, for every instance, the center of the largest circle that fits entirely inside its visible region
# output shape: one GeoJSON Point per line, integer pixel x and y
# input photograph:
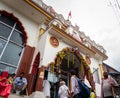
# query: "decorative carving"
{"type": "Point", "coordinates": [54, 41]}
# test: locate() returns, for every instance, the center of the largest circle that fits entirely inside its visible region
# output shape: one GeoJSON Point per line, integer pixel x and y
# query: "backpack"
{"type": "Point", "coordinates": [84, 89]}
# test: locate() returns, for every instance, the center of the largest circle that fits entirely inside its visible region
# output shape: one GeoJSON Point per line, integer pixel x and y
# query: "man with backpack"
{"type": "Point", "coordinates": [77, 87]}
{"type": "Point", "coordinates": [74, 87]}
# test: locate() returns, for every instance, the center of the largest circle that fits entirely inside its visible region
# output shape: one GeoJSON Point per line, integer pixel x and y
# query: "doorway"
{"type": "Point", "coordinates": [67, 59]}
{"type": "Point", "coordinates": [63, 72]}
{"type": "Point", "coordinates": [69, 62]}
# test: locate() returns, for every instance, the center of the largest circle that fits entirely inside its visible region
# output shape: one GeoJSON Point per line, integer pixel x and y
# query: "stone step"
{"type": "Point", "coordinates": [17, 96]}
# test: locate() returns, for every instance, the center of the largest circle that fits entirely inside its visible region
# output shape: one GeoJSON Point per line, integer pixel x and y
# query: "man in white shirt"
{"type": "Point", "coordinates": [20, 83]}
{"type": "Point", "coordinates": [63, 90]}
{"type": "Point", "coordinates": [46, 88]}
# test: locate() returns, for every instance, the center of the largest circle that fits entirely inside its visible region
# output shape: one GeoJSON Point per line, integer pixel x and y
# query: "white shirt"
{"type": "Point", "coordinates": [63, 91]}
{"type": "Point", "coordinates": [74, 85]}
{"type": "Point", "coordinates": [107, 87]}
{"type": "Point", "coordinates": [46, 88]}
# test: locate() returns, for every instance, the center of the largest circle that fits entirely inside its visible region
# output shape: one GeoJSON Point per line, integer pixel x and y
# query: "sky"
{"type": "Point", "coordinates": [98, 19]}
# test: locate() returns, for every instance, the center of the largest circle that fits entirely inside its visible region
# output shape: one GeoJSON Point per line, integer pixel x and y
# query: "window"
{"type": "Point", "coordinates": [11, 43]}
{"type": "Point", "coordinates": [96, 75]}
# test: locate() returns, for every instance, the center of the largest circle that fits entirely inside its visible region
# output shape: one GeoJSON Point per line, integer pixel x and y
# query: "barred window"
{"type": "Point", "coordinates": [11, 44]}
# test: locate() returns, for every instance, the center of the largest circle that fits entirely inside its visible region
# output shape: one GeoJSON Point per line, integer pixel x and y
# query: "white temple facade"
{"type": "Point", "coordinates": [38, 41]}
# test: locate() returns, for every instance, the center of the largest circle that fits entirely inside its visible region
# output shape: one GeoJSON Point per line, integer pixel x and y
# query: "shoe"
{"type": "Point", "coordinates": [21, 92]}
{"type": "Point", "coordinates": [13, 91]}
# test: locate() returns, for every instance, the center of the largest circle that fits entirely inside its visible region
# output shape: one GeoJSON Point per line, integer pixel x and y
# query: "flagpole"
{"type": "Point", "coordinates": [69, 16]}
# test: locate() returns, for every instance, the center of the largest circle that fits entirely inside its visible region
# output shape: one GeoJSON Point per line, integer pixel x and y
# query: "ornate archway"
{"type": "Point", "coordinates": [85, 69]}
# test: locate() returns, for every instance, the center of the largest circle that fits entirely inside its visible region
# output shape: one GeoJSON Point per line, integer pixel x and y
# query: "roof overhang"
{"type": "Point", "coordinates": [99, 54]}
{"type": "Point", "coordinates": [28, 9]}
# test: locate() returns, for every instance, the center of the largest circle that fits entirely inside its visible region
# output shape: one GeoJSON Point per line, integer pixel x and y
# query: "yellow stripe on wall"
{"type": "Point", "coordinates": [101, 70]}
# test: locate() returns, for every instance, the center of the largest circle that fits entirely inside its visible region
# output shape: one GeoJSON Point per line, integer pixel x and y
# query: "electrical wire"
{"type": "Point", "coordinates": [115, 10]}
{"type": "Point", "coordinates": [117, 7]}
{"type": "Point", "coordinates": [118, 4]}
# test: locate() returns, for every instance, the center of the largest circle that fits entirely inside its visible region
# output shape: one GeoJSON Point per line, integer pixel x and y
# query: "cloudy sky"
{"type": "Point", "coordinates": [98, 19]}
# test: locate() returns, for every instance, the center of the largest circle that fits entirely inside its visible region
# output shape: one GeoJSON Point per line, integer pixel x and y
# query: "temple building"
{"type": "Point", "coordinates": [38, 41]}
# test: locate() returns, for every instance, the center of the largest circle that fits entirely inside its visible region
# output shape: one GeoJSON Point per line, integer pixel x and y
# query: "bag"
{"type": "Point", "coordinates": [84, 89]}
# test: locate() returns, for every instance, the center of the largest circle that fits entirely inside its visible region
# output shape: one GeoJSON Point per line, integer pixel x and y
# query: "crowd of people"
{"type": "Point", "coordinates": [62, 90]}
{"type": "Point", "coordinates": [73, 91]}
{"type": "Point", "coordinates": [9, 83]}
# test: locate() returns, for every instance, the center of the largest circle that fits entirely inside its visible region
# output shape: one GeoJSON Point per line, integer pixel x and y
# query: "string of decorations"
{"type": "Point", "coordinates": [85, 69]}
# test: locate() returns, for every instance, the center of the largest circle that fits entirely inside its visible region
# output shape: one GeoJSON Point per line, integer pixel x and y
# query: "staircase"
{"type": "Point", "coordinates": [17, 95]}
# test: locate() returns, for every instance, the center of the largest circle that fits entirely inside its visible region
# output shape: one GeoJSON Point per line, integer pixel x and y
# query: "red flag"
{"type": "Point", "coordinates": [69, 15]}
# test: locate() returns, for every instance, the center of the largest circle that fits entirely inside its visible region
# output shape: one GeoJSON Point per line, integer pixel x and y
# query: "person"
{"type": "Point", "coordinates": [106, 87]}
{"type": "Point", "coordinates": [56, 87]}
{"type": "Point", "coordinates": [92, 94]}
{"type": "Point", "coordinates": [11, 78]}
{"type": "Point", "coordinates": [74, 87]}
{"type": "Point", "coordinates": [46, 88]}
{"type": "Point", "coordinates": [63, 90]}
{"type": "Point", "coordinates": [20, 84]}
{"type": "Point", "coordinates": [5, 88]}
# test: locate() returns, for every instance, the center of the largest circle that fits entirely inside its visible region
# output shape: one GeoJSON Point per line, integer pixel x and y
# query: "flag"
{"type": "Point", "coordinates": [69, 16]}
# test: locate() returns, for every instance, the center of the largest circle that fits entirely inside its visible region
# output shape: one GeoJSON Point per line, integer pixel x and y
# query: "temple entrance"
{"type": "Point", "coordinates": [63, 72]}
{"type": "Point", "coordinates": [69, 62]}
{"type": "Point", "coordinates": [67, 59]}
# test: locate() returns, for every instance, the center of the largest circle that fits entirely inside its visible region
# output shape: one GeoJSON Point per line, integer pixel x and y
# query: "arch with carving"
{"type": "Point", "coordinates": [86, 71]}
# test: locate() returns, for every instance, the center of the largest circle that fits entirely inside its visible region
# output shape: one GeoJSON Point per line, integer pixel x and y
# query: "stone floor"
{"type": "Point", "coordinates": [36, 94]}
{"type": "Point", "coordinates": [17, 96]}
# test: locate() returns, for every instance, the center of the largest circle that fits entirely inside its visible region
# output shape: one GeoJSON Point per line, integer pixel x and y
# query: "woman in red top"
{"type": "Point", "coordinates": [5, 88]}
